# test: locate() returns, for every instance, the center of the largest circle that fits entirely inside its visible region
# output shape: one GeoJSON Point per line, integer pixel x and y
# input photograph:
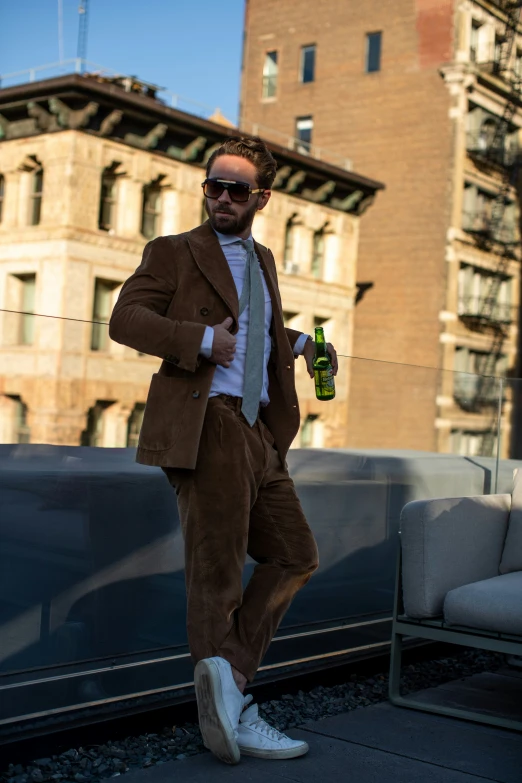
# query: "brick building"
{"type": "Point", "coordinates": [424, 94]}
{"type": "Point", "coordinates": [90, 170]}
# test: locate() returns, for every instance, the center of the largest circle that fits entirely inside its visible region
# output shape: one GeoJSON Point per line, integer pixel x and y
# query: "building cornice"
{"type": "Point", "coordinates": [92, 105]}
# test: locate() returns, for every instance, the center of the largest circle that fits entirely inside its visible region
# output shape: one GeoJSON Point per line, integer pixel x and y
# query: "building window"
{"type": "Point", "coordinates": [288, 317]}
{"type": "Point", "coordinates": [476, 377]}
{"type": "Point", "coordinates": [518, 64]}
{"type": "Point", "coordinates": [2, 195]}
{"type": "Point", "coordinates": [318, 254]}
{"type": "Point", "coordinates": [270, 72]}
{"type": "Point", "coordinates": [36, 197]}
{"type": "Point", "coordinates": [482, 294]}
{"type": "Point", "coordinates": [19, 323]}
{"type": "Point", "coordinates": [303, 131]}
{"type": "Point", "coordinates": [134, 425]}
{"type": "Point", "coordinates": [308, 64]}
{"type": "Point", "coordinates": [101, 312]}
{"type": "Point", "coordinates": [107, 200]}
{"type": "Point", "coordinates": [151, 210]}
{"type": "Point", "coordinates": [28, 317]}
{"type": "Point", "coordinates": [373, 52]}
{"type": "Point", "coordinates": [474, 41]}
{"type": "Point", "coordinates": [307, 431]}
{"type": "Point", "coordinates": [499, 43]}
{"type": "Point", "coordinates": [470, 443]}
{"type": "Point", "coordinates": [288, 258]}
{"type": "Point", "coordinates": [22, 433]}
{"type": "Point", "coordinates": [93, 433]}
{"type": "Point", "coordinates": [320, 321]}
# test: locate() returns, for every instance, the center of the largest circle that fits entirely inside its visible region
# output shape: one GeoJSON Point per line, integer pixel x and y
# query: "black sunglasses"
{"type": "Point", "coordinates": [238, 191]}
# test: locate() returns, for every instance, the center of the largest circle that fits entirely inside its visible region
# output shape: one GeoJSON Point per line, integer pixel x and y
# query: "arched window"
{"type": "Point", "coordinates": [151, 210]}
{"type": "Point", "coordinates": [2, 195]}
{"type": "Point", "coordinates": [318, 254]}
{"type": "Point", "coordinates": [107, 214]}
{"type": "Point", "coordinates": [93, 432]}
{"type": "Point", "coordinates": [35, 207]}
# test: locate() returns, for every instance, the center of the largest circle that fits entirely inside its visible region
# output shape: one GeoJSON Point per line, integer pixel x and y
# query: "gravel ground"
{"type": "Point", "coordinates": [93, 763]}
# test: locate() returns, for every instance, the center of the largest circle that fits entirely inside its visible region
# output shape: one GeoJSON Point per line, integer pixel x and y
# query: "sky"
{"type": "Point", "coordinates": [191, 47]}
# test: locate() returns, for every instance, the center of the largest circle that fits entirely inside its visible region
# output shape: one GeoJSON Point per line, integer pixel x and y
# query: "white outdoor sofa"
{"type": "Point", "coordinates": [459, 580]}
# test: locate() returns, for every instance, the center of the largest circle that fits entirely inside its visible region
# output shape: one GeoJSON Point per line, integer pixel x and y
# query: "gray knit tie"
{"type": "Point", "coordinates": [253, 295]}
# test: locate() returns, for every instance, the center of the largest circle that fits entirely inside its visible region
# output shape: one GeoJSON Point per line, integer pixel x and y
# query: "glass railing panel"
{"type": "Point", "coordinates": [92, 594]}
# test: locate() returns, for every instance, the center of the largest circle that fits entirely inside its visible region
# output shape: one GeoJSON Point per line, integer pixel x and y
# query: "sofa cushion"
{"type": "Point", "coordinates": [446, 543]}
{"type": "Point", "coordinates": [492, 604]}
{"type": "Point", "coordinates": [512, 553]}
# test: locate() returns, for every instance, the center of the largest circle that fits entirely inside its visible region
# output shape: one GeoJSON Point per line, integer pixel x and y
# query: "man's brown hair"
{"type": "Point", "coordinates": [253, 149]}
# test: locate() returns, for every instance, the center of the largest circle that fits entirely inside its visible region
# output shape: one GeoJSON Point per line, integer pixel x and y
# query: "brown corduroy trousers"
{"type": "Point", "coordinates": [239, 499]}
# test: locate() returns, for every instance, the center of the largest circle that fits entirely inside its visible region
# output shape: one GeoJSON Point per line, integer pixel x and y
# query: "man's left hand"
{"type": "Point", "coordinates": [309, 352]}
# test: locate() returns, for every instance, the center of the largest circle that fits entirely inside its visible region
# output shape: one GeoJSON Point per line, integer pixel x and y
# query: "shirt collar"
{"type": "Point", "coordinates": [228, 239]}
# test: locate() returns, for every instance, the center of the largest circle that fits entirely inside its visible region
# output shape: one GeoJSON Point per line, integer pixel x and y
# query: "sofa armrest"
{"type": "Point", "coordinates": [447, 543]}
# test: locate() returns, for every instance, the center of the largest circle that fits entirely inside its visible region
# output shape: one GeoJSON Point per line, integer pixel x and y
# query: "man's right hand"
{"type": "Point", "coordinates": [223, 344]}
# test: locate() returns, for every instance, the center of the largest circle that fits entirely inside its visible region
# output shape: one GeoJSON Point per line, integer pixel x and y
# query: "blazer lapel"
{"type": "Point", "coordinates": [267, 265]}
{"type": "Point", "coordinates": [210, 258]}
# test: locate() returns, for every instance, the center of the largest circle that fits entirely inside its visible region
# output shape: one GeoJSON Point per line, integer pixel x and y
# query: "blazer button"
{"type": "Point", "coordinates": [288, 366]}
{"type": "Point", "coordinates": [195, 394]}
{"type": "Point", "coordinates": [204, 311]}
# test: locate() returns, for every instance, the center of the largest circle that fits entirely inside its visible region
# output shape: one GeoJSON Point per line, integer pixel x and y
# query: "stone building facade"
{"type": "Point", "coordinates": [416, 92]}
{"type": "Point", "coordinates": [90, 170]}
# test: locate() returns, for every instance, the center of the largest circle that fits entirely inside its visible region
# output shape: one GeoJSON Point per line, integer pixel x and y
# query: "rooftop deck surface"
{"type": "Point", "coordinates": [385, 744]}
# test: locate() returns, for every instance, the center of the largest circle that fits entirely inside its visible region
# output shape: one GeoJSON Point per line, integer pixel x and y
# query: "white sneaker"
{"type": "Point", "coordinates": [219, 706]}
{"type": "Point", "coordinates": [256, 738]}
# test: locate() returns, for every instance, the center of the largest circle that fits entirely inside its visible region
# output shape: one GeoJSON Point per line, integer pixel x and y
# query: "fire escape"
{"type": "Point", "coordinates": [493, 234]}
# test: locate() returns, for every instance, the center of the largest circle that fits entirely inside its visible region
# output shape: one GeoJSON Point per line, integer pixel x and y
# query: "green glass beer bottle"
{"type": "Point", "coordinates": [323, 370]}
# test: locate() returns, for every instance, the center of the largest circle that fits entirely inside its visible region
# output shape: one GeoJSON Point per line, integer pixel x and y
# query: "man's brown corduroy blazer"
{"type": "Point", "coordinates": [182, 285]}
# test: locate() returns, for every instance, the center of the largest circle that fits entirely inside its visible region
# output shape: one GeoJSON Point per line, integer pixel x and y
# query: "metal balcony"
{"type": "Point", "coordinates": [479, 224]}
{"type": "Point", "coordinates": [474, 393]}
{"type": "Point", "coordinates": [480, 312]}
{"type": "Point", "coordinates": [479, 147]}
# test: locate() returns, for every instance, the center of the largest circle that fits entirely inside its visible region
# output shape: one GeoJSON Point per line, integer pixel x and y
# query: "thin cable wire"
{"type": "Point", "coordinates": [342, 355]}
{"type": "Point", "coordinates": [56, 317]}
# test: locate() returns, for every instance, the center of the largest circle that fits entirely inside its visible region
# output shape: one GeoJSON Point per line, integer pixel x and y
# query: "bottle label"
{"type": "Point", "coordinates": [326, 378]}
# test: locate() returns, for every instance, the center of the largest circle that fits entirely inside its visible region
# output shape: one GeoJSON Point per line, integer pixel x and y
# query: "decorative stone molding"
{"type": "Point", "coordinates": [150, 140]}
{"type": "Point", "coordinates": [110, 122]}
{"type": "Point", "coordinates": [72, 118]}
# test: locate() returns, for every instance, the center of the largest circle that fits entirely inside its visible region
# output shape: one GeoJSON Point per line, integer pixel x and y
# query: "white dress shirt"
{"type": "Point", "coordinates": [230, 380]}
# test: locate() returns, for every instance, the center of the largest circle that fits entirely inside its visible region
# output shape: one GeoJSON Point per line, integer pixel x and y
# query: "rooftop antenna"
{"type": "Point", "coordinates": [81, 54]}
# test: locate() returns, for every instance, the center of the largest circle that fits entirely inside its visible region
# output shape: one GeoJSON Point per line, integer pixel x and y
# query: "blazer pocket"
{"type": "Point", "coordinates": [164, 411]}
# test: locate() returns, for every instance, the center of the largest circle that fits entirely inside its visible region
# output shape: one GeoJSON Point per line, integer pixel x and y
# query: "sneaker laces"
{"type": "Point", "coordinates": [250, 718]}
{"type": "Point", "coordinates": [268, 730]}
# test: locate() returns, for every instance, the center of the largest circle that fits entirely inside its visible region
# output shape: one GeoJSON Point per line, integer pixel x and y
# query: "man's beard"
{"type": "Point", "coordinates": [230, 223]}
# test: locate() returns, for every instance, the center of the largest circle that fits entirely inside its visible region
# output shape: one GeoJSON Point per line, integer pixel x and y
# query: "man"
{"type": "Point", "coordinates": [220, 417]}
